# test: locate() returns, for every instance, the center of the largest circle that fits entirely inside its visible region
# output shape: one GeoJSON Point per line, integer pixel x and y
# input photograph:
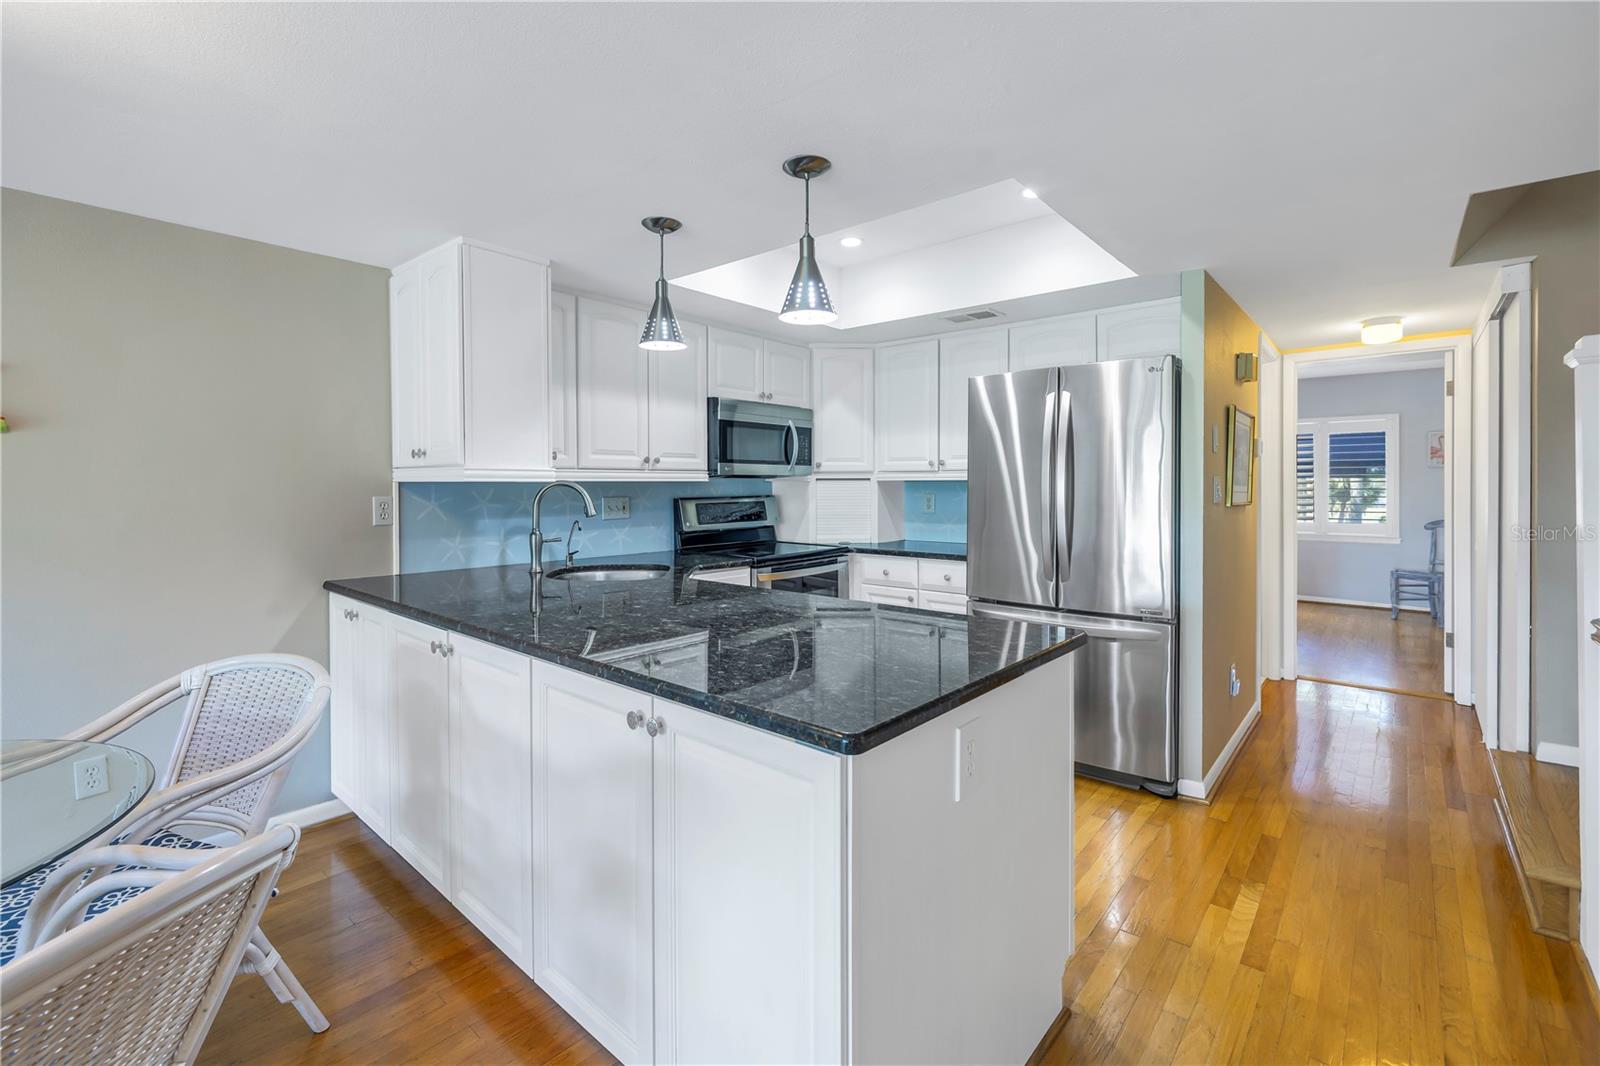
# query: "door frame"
{"type": "Point", "coordinates": [1280, 403]}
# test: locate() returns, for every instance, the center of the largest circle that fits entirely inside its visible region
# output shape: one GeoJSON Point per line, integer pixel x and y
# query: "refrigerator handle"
{"type": "Point", "coordinates": [1052, 412]}
{"type": "Point", "coordinates": [1062, 486]}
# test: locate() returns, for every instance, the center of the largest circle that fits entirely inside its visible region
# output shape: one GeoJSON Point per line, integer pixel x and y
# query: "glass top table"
{"type": "Point", "coordinates": [57, 794]}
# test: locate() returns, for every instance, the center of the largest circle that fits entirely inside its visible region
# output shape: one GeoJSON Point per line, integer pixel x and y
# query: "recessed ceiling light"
{"type": "Point", "coordinates": [1381, 330]}
{"type": "Point", "coordinates": [1029, 194]}
{"type": "Point", "coordinates": [850, 242]}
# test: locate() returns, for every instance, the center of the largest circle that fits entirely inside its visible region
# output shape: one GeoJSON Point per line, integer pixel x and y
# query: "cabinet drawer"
{"type": "Point", "coordinates": [947, 602]}
{"type": "Point", "coordinates": [888, 594]}
{"type": "Point", "coordinates": [888, 570]}
{"type": "Point", "coordinates": [942, 575]}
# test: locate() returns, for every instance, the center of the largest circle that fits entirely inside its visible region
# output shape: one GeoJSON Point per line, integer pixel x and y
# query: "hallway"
{"type": "Point", "coordinates": [1347, 898]}
{"type": "Point", "coordinates": [1362, 646]}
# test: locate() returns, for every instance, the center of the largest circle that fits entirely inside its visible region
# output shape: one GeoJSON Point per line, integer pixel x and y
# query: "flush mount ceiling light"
{"type": "Point", "coordinates": [661, 332]}
{"type": "Point", "coordinates": [850, 242]}
{"type": "Point", "coordinates": [1029, 194]}
{"type": "Point", "coordinates": [1381, 330]}
{"type": "Point", "coordinates": [807, 302]}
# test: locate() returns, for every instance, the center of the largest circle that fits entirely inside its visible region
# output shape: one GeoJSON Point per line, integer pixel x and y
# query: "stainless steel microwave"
{"type": "Point", "coordinates": [749, 439]}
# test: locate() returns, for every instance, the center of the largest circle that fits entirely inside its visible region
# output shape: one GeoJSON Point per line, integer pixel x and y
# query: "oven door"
{"type": "Point", "coordinates": [762, 439]}
{"type": "Point", "coordinates": [816, 579]}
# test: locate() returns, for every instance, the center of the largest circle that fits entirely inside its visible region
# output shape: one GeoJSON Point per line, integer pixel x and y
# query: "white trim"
{"type": "Point", "coordinates": [1200, 790]}
{"type": "Point", "coordinates": [1357, 603]}
{"type": "Point", "coordinates": [1586, 352]}
{"type": "Point", "coordinates": [1320, 429]}
{"type": "Point", "coordinates": [1560, 754]}
{"type": "Point", "coordinates": [316, 814]}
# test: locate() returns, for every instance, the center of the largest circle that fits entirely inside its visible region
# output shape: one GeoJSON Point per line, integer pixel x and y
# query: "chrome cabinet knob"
{"type": "Point", "coordinates": [635, 719]}
{"type": "Point", "coordinates": [931, 462]}
{"type": "Point", "coordinates": [433, 647]}
{"type": "Point", "coordinates": [817, 465]}
{"type": "Point", "coordinates": [645, 461]}
{"type": "Point", "coordinates": [941, 462]}
{"type": "Point", "coordinates": [654, 726]}
{"type": "Point", "coordinates": [554, 455]}
{"type": "Point", "coordinates": [886, 573]}
{"type": "Point", "coordinates": [947, 577]}
{"type": "Point", "coordinates": [911, 599]}
{"type": "Point", "coordinates": [656, 461]}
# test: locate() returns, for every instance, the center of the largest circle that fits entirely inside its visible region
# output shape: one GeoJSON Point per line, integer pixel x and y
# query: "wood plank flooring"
{"type": "Point", "coordinates": [1347, 897]}
{"type": "Point", "coordinates": [1538, 805]}
{"type": "Point", "coordinates": [1363, 646]}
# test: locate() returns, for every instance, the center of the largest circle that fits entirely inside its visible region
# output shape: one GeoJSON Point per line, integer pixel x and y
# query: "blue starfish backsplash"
{"type": "Point", "coordinates": [452, 525]}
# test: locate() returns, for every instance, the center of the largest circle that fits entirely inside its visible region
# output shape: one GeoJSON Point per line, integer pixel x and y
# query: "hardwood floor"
{"type": "Point", "coordinates": [1363, 646]}
{"type": "Point", "coordinates": [1538, 805]}
{"type": "Point", "coordinates": [1347, 898]}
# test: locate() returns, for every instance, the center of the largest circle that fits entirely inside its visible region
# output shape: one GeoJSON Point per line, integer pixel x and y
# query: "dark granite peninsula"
{"type": "Point", "coordinates": [922, 549]}
{"type": "Point", "coordinates": [673, 801]}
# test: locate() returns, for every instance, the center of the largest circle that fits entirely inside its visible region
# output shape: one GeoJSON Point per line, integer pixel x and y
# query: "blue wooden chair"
{"type": "Point", "coordinates": [1410, 586]}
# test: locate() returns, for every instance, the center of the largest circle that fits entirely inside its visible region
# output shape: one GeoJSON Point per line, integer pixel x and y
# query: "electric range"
{"type": "Point", "coordinates": [745, 527]}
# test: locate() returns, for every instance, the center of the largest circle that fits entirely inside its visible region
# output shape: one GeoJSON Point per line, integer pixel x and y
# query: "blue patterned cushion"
{"type": "Point", "coordinates": [16, 896]}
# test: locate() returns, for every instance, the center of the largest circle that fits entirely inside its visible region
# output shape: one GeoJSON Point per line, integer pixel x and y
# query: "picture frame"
{"type": "Point", "coordinates": [1435, 447]}
{"type": "Point", "coordinates": [1239, 458]}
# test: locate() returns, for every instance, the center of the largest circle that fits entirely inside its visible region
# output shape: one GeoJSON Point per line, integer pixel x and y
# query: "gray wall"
{"type": "Point", "coordinates": [1558, 223]}
{"type": "Point", "coordinates": [1346, 570]}
{"type": "Point", "coordinates": [198, 423]}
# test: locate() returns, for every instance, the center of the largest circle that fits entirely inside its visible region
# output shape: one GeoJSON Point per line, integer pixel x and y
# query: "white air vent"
{"type": "Point", "coordinates": [843, 510]}
{"type": "Point", "coordinates": [973, 316]}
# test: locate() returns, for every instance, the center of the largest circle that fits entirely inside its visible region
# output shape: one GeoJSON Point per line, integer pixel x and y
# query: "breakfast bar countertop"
{"type": "Point", "coordinates": [836, 674]}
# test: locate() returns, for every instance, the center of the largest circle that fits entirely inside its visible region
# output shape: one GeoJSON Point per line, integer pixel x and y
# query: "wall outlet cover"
{"type": "Point", "coordinates": [927, 502]}
{"type": "Point", "coordinates": [383, 510]}
{"type": "Point", "coordinates": [90, 777]}
{"type": "Point", "coordinates": [613, 507]}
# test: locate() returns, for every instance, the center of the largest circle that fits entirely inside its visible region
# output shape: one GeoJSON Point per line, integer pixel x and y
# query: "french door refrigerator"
{"type": "Point", "coordinates": [1072, 485]}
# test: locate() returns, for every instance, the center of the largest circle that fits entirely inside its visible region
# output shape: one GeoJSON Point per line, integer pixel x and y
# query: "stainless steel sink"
{"type": "Point", "coordinates": [607, 573]}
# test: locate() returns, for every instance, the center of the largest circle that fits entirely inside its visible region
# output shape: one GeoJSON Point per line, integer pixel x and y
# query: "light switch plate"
{"type": "Point", "coordinates": [613, 507]}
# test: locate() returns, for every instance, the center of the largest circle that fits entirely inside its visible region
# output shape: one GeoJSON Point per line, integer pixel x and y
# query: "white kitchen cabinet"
{"type": "Point", "coordinates": [963, 356]}
{"type": "Point", "coordinates": [419, 750]}
{"type": "Point", "coordinates": [563, 381]}
{"type": "Point", "coordinates": [786, 373]}
{"type": "Point", "coordinates": [745, 367]}
{"type": "Point", "coordinates": [491, 826]}
{"type": "Point", "coordinates": [678, 405]}
{"type": "Point", "coordinates": [1138, 330]}
{"type": "Point", "coordinates": [946, 602]}
{"type": "Point", "coordinates": [358, 661]}
{"type": "Point", "coordinates": [613, 388]}
{"type": "Point", "coordinates": [748, 894]}
{"type": "Point", "coordinates": [344, 672]}
{"type": "Point", "coordinates": [469, 334]}
{"type": "Point", "coordinates": [841, 441]}
{"type": "Point", "coordinates": [887, 594]}
{"type": "Point", "coordinates": [906, 407]}
{"type": "Point", "coordinates": [1053, 342]}
{"type": "Point", "coordinates": [593, 870]}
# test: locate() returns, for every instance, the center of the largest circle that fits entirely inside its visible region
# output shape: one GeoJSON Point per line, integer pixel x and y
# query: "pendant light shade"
{"type": "Point", "coordinates": [807, 302]}
{"type": "Point", "coordinates": [661, 332]}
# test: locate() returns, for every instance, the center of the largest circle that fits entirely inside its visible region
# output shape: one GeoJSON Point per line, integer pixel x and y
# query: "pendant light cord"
{"type": "Point", "coordinates": [662, 272]}
{"type": "Point", "coordinates": [808, 205]}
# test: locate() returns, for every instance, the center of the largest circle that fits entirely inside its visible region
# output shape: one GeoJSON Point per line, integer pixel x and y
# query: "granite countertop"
{"type": "Point", "coordinates": [928, 549]}
{"type": "Point", "coordinates": [836, 674]}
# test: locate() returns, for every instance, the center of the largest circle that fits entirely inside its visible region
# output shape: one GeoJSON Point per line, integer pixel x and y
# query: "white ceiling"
{"type": "Point", "coordinates": [1316, 158]}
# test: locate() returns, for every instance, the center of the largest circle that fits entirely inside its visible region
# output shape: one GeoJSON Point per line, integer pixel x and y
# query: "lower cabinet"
{"type": "Point", "coordinates": [419, 782]}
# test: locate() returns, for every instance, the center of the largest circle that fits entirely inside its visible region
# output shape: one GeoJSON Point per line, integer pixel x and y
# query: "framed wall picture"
{"type": "Point", "coordinates": [1241, 458]}
{"type": "Point", "coordinates": [1435, 447]}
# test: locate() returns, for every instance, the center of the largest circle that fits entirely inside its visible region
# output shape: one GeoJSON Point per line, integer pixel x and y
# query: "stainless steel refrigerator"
{"type": "Point", "coordinates": [1072, 484]}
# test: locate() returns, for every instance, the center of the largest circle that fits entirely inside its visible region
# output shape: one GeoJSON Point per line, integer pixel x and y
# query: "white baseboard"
{"type": "Point", "coordinates": [316, 814]}
{"type": "Point", "coordinates": [1561, 754]}
{"type": "Point", "coordinates": [1202, 789]}
{"type": "Point", "coordinates": [1358, 603]}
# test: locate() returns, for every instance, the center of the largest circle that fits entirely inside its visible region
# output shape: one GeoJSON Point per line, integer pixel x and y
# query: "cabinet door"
{"type": "Point", "coordinates": [748, 896]}
{"type": "Point", "coordinates": [419, 784]}
{"type": "Point", "coordinates": [491, 752]}
{"type": "Point", "coordinates": [440, 407]}
{"type": "Point", "coordinates": [735, 365]}
{"type": "Point", "coordinates": [373, 718]}
{"type": "Point", "coordinates": [842, 440]}
{"type": "Point", "coordinates": [613, 388]}
{"type": "Point", "coordinates": [906, 386]}
{"type": "Point", "coordinates": [786, 373]}
{"type": "Point", "coordinates": [505, 324]}
{"type": "Point", "coordinates": [945, 602]}
{"type": "Point", "coordinates": [563, 381]}
{"type": "Point", "coordinates": [1054, 342]}
{"type": "Point", "coordinates": [405, 365]}
{"type": "Point", "coordinates": [593, 918]}
{"type": "Point", "coordinates": [678, 405]}
{"type": "Point", "coordinates": [888, 594]}
{"type": "Point", "coordinates": [1138, 330]}
{"type": "Point", "coordinates": [963, 356]}
{"type": "Point", "coordinates": [344, 670]}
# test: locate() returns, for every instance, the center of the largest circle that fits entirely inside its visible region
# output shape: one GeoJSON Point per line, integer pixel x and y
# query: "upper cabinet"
{"type": "Point", "coordinates": [637, 410]}
{"type": "Point", "coordinates": [678, 405]}
{"type": "Point", "coordinates": [1053, 342]}
{"type": "Point", "coordinates": [563, 381]}
{"type": "Point", "coordinates": [842, 391]}
{"type": "Point", "coordinates": [906, 426]}
{"type": "Point", "coordinates": [469, 337]}
{"type": "Point", "coordinates": [745, 367]}
{"type": "Point", "coordinates": [961, 357]}
{"type": "Point", "coordinates": [1138, 330]}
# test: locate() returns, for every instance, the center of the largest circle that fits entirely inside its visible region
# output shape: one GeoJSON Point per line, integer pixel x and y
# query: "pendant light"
{"type": "Point", "coordinates": [807, 303]}
{"type": "Point", "coordinates": [661, 332]}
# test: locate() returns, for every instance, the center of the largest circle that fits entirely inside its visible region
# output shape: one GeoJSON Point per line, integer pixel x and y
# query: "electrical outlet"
{"type": "Point", "coordinates": [927, 503]}
{"type": "Point", "coordinates": [383, 510]}
{"type": "Point", "coordinates": [89, 777]}
{"type": "Point", "coordinates": [613, 507]}
{"type": "Point", "coordinates": [967, 775]}
{"type": "Point", "coordinates": [1233, 679]}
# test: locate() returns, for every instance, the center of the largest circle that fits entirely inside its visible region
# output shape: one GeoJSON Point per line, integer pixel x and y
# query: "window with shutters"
{"type": "Point", "coordinates": [1347, 478]}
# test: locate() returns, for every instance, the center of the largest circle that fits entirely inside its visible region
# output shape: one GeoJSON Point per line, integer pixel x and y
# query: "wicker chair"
{"type": "Point", "coordinates": [142, 982]}
{"type": "Point", "coordinates": [246, 719]}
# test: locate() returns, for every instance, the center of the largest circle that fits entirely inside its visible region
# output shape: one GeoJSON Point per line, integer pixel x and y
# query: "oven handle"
{"type": "Point", "coordinates": [785, 575]}
{"type": "Point", "coordinates": [795, 456]}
